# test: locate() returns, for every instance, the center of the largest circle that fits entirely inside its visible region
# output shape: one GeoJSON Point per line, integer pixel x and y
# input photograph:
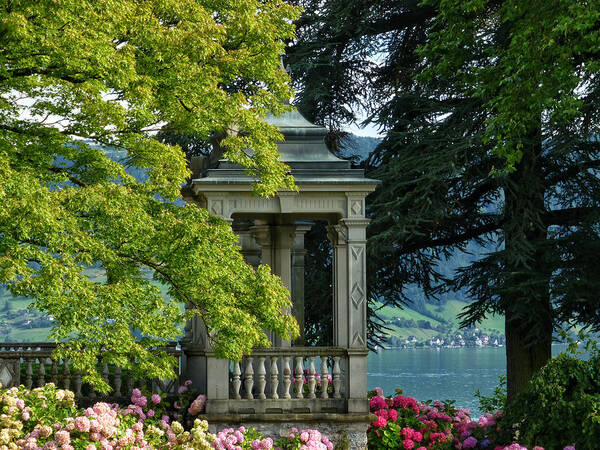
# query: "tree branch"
{"type": "Point", "coordinates": [467, 235]}
{"type": "Point", "coordinates": [569, 216]}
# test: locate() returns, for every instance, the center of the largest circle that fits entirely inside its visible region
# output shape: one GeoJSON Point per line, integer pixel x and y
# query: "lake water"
{"type": "Point", "coordinates": [440, 374]}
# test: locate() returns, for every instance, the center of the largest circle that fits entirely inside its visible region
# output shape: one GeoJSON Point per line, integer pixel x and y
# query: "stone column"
{"type": "Point", "coordinates": [262, 235]}
{"type": "Point", "coordinates": [337, 235]}
{"type": "Point", "coordinates": [283, 239]}
{"type": "Point", "coordinates": [350, 305]}
{"type": "Point", "coordinates": [249, 248]}
{"type": "Point", "coordinates": [297, 291]}
{"type": "Point", "coordinates": [356, 281]}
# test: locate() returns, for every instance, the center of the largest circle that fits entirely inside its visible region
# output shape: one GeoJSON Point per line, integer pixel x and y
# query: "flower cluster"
{"type": "Point", "coordinates": [403, 422]}
{"type": "Point", "coordinates": [304, 440]}
{"type": "Point", "coordinates": [47, 419]}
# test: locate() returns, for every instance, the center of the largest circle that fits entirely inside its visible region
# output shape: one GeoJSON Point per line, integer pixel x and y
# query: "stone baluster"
{"type": "Point", "coordinates": [41, 379]}
{"type": "Point", "coordinates": [274, 377]}
{"type": "Point", "coordinates": [336, 380]}
{"type": "Point", "coordinates": [236, 380]}
{"type": "Point", "coordinates": [105, 374]}
{"type": "Point", "coordinates": [324, 377]}
{"type": "Point", "coordinates": [118, 381]}
{"type": "Point", "coordinates": [92, 392]}
{"type": "Point", "coordinates": [249, 378]}
{"type": "Point", "coordinates": [261, 378]}
{"type": "Point", "coordinates": [29, 374]}
{"type": "Point", "coordinates": [299, 375]}
{"type": "Point", "coordinates": [287, 377]}
{"type": "Point", "coordinates": [54, 373]}
{"type": "Point", "coordinates": [311, 377]}
{"type": "Point", "coordinates": [66, 375]}
{"type": "Point", "coordinates": [130, 381]}
{"type": "Point", "coordinates": [78, 384]}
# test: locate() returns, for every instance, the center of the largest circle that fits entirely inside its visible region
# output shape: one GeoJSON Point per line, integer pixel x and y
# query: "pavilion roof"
{"type": "Point", "coordinates": [303, 149]}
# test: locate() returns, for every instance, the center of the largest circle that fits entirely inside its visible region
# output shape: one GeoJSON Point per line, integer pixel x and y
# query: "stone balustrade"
{"type": "Point", "coordinates": [296, 379]}
{"type": "Point", "coordinates": [32, 365]}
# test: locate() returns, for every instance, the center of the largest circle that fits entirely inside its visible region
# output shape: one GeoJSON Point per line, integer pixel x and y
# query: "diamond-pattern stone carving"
{"type": "Point", "coordinates": [358, 339]}
{"type": "Point", "coordinates": [9, 369]}
{"type": "Point", "coordinates": [356, 252]}
{"type": "Point", "coordinates": [217, 207]}
{"type": "Point", "coordinates": [5, 377]}
{"type": "Point", "coordinates": [357, 295]}
{"type": "Point", "coordinates": [356, 207]}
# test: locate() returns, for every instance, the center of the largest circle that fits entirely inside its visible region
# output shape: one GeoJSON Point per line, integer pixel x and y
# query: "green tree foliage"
{"type": "Point", "coordinates": [76, 75]}
{"type": "Point", "coordinates": [492, 118]}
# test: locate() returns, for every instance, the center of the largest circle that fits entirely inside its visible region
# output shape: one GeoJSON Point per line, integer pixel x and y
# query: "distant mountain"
{"type": "Point", "coordinates": [359, 146]}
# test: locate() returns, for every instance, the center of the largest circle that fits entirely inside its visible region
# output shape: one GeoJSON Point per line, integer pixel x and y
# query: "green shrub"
{"type": "Point", "coordinates": [561, 405]}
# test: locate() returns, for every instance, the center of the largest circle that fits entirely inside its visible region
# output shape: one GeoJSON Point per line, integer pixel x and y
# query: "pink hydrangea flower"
{"type": "Point", "coordinates": [156, 399]}
{"type": "Point", "coordinates": [407, 433]}
{"type": "Point", "coordinates": [266, 444]}
{"type": "Point", "coordinates": [392, 415]}
{"type": "Point", "coordinates": [62, 437]}
{"type": "Point", "coordinates": [380, 422]}
{"type": "Point", "coordinates": [82, 424]}
{"type": "Point", "coordinates": [408, 444]}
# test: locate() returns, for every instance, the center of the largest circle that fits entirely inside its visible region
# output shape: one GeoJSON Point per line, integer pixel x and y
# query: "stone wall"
{"type": "Point", "coordinates": [346, 432]}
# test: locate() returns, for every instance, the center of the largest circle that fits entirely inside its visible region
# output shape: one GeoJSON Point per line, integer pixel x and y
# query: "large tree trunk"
{"type": "Point", "coordinates": [525, 294]}
{"type": "Point", "coordinates": [523, 358]}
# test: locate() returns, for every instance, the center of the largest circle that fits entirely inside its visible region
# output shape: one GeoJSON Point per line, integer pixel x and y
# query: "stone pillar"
{"type": "Point", "coordinates": [338, 238]}
{"type": "Point", "coordinates": [356, 281]}
{"type": "Point", "coordinates": [261, 232]}
{"type": "Point", "coordinates": [297, 291]}
{"type": "Point", "coordinates": [262, 236]}
{"type": "Point", "coordinates": [283, 239]}
{"type": "Point", "coordinates": [350, 305]}
{"type": "Point", "coordinates": [209, 374]}
{"type": "Point", "coordinates": [249, 248]}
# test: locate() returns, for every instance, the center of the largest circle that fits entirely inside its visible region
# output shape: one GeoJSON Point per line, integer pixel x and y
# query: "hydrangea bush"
{"type": "Point", "coordinates": [48, 418]}
{"type": "Point", "coordinates": [404, 423]}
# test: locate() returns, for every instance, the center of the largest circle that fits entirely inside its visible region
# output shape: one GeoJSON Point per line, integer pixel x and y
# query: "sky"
{"type": "Point", "coordinates": [369, 130]}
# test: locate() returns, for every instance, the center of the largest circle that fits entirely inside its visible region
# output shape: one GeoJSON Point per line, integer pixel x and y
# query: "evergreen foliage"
{"type": "Point", "coordinates": [491, 118]}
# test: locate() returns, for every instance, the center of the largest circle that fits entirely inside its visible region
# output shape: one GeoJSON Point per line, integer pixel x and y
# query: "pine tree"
{"type": "Point", "coordinates": [491, 118]}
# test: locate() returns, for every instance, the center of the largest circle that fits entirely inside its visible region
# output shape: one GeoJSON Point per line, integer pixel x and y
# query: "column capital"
{"type": "Point", "coordinates": [355, 222]}
{"type": "Point", "coordinates": [262, 234]}
{"type": "Point", "coordinates": [337, 234]}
